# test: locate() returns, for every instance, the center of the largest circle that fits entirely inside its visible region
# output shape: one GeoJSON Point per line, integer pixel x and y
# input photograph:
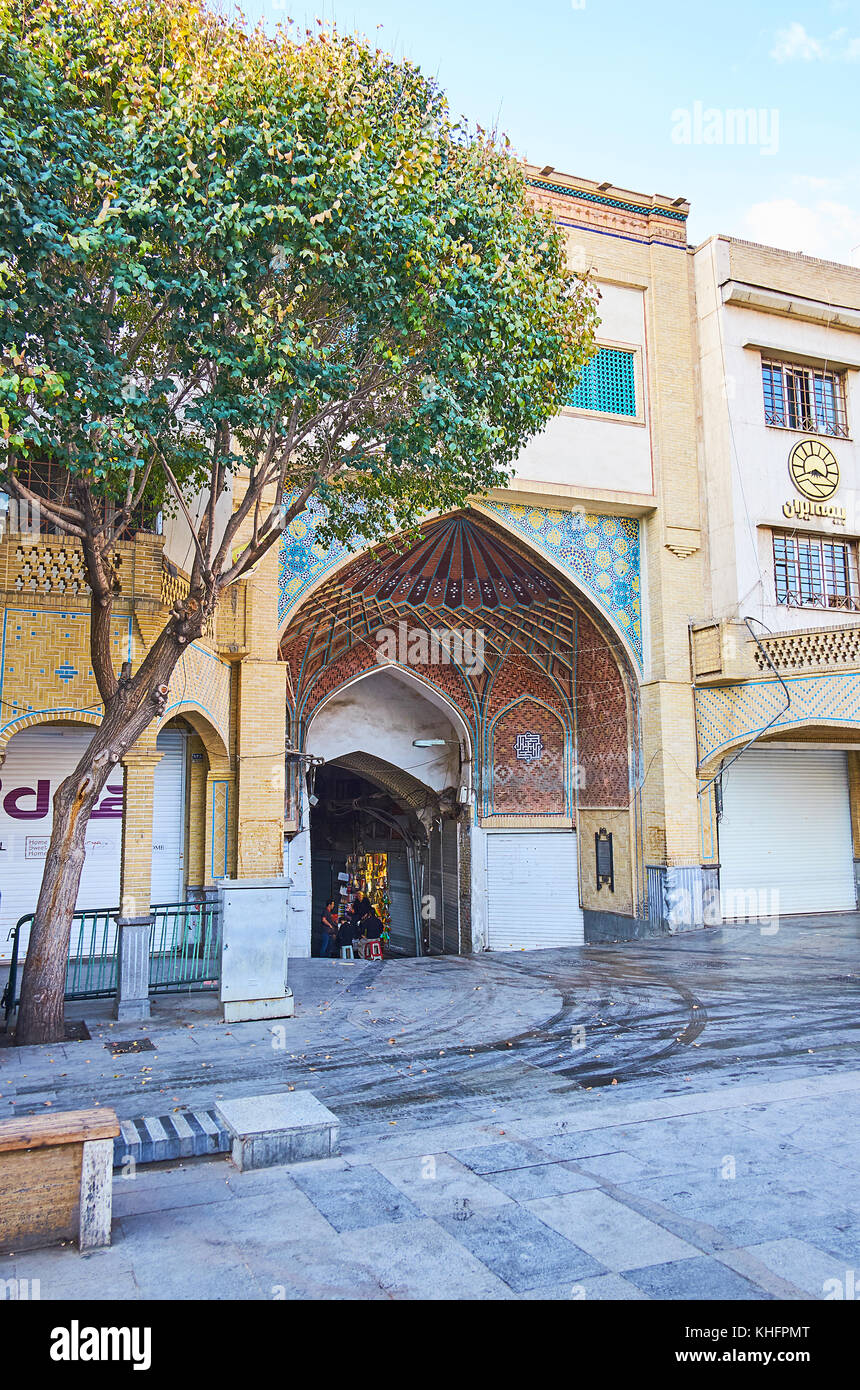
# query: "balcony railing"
{"type": "Point", "coordinates": [815, 649]}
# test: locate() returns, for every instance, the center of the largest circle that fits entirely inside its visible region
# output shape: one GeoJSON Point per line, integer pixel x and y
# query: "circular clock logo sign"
{"type": "Point", "coordinates": [813, 469]}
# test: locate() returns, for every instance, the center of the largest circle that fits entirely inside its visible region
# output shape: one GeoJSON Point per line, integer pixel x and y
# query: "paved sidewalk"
{"type": "Point", "coordinates": [668, 1119]}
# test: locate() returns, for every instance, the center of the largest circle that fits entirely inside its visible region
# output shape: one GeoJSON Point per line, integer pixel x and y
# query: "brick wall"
{"type": "Point", "coordinates": [532, 781]}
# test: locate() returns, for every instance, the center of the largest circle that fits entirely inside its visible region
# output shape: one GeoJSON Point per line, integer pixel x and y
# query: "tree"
{"type": "Point", "coordinates": [223, 251]}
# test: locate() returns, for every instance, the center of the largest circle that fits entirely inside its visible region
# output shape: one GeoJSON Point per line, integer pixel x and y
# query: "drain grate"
{"type": "Point", "coordinates": [133, 1045]}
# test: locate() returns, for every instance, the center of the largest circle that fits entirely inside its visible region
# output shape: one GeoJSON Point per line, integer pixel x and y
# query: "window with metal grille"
{"type": "Point", "coordinates": [52, 482]}
{"type": "Point", "coordinates": [607, 383]}
{"type": "Point", "coordinates": [804, 398]}
{"type": "Point", "coordinates": [815, 572]}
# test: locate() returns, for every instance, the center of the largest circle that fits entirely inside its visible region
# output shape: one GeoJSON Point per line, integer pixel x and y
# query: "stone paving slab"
{"type": "Point", "coordinates": [521, 1249]}
{"type": "Point", "coordinates": [424, 1262]}
{"type": "Point", "coordinates": [480, 1154]}
{"type": "Point", "coordinates": [439, 1184]}
{"type": "Point", "coordinates": [613, 1232]}
{"type": "Point", "coordinates": [543, 1180]}
{"type": "Point", "coordinates": [356, 1198]}
{"type": "Point", "coordinates": [803, 1264]}
{"type": "Point", "coordinates": [700, 1278]}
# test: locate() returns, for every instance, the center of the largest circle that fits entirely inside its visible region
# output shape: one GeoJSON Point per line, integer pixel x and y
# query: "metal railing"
{"type": "Point", "coordinates": [184, 952]}
{"type": "Point", "coordinates": [185, 947]}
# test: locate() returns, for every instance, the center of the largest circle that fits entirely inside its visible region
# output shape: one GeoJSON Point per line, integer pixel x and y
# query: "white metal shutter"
{"type": "Point", "coordinates": [533, 890]}
{"type": "Point", "coordinates": [786, 831]}
{"type": "Point", "coordinates": [168, 820]}
{"type": "Point", "coordinates": [46, 757]}
{"type": "Point", "coordinates": [401, 902]}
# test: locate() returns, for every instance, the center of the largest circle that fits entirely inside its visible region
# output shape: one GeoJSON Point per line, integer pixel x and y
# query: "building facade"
{"type": "Point", "coordinates": [777, 663]}
{"type": "Point", "coordinates": [577, 709]}
{"type": "Point", "coordinates": [549, 791]}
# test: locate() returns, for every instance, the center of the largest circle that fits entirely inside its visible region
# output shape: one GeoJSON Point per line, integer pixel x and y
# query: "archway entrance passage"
{"type": "Point", "coordinates": [538, 692]}
{"type": "Point", "coordinates": [364, 838]}
{"type": "Point", "coordinates": [385, 811]}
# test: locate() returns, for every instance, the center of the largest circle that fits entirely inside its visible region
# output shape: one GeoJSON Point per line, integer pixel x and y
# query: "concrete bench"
{"type": "Point", "coordinates": [56, 1175]}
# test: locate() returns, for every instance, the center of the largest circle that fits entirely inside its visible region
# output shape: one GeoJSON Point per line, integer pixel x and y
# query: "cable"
{"type": "Point", "coordinates": [761, 733]}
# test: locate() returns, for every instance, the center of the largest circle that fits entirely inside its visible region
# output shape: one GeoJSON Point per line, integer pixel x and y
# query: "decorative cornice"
{"type": "Point", "coordinates": [603, 200]}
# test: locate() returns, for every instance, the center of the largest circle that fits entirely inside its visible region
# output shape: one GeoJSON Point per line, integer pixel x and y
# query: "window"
{"type": "Point", "coordinates": [804, 398]}
{"type": "Point", "coordinates": [52, 482]}
{"type": "Point", "coordinates": [815, 572]}
{"type": "Point", "coordinates": [607, 383]}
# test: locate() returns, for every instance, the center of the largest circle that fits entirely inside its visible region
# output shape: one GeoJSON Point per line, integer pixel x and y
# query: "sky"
{"type": "Point", "coordinates": [647, 96]}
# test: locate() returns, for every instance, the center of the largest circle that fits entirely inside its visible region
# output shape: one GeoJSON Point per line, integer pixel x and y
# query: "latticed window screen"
{"type": "Point", "coordinates": [815, 572]}
{"type": "Point", "coordinates": [802, 398]}
{"type": "Point", "coordinates": [608, 383]}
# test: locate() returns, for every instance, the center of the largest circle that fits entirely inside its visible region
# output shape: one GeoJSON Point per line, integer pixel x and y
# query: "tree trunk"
{"type": "Point", "coordinates": [128, 713]}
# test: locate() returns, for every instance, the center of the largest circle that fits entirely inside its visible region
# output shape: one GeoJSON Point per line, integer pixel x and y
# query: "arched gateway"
{"type": "Point", "coordinates": [477, 722]}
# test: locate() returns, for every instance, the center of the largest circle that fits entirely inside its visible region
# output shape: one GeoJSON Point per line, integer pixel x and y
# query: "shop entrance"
{"type": "Point", "coordinates": [362, 837]}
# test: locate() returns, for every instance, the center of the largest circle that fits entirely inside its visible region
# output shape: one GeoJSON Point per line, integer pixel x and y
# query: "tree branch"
{"type": "Point", "coordinates": [177, 492]}
{"type": "Point", "coordinates": [49, 509]}
{"type": "Point", "coordinates": [103, 585]}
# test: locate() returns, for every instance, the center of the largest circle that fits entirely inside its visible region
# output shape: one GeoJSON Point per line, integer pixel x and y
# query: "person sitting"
{"type": "Point", "coordinates": [372, 925]}
{"type": "Point", "coordinates": [372, 928]}
{"type": "Point", "coordinates": [351, 927]}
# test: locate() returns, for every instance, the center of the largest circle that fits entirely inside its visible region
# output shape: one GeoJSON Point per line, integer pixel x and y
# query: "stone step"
{"type": "Point", "coordinates": [278, 1127]}
{"type": "Point", "coordinates": [182, 1134]}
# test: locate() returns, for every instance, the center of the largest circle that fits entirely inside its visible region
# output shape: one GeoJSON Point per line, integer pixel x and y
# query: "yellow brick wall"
{"type": "Point", "coordinates": [674, 567]}
{"type": "Point", "coordinates": [791, 273]}
{"type": "Point", "coordinates": [46, 675]}
{"type": "Point", "coordinates": [138, 805]}
{"type": "Point", "coordinates": [620, 826]}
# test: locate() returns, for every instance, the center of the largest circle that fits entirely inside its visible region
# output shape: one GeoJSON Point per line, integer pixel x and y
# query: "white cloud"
{"type": "Point", "coordinates": [794, 43]}
{"type": "Point", "coordinates": [817, 184]}
{"type": "Point", "coordinates": [822, 228]}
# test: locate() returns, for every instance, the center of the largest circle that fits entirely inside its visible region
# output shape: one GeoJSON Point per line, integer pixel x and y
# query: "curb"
{"type": "Point", "coordinates": [184, 1134]}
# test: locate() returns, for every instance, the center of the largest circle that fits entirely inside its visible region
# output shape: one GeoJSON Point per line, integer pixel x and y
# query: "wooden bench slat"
{"type": "Point", "coordinates": [60, 1127]}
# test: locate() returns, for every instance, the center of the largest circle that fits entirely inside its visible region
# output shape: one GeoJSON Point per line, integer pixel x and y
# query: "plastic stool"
{"type": "Point", "coordinates": [373, 950]}
{"type": "Point", "coordinates": [346, 953]}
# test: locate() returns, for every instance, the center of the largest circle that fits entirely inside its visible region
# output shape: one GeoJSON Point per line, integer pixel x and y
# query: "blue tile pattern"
{"type": "Point", "coordinates": [731, 713]}
{"type": "Point", "coordinates": [601, 554]}
{"type": "Point", "coordinates": [302, 559]}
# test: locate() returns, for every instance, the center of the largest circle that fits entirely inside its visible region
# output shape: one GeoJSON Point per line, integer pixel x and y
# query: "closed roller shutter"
{"type": "Point", "coordinates": [37, 761]}
{"type": "Point", "coordinates": [533, 890]}
{"type": "Point", "coordinates": [168, 820]}
{"type": "Point", "coordinates": [786, 830]}
{"type": "Point", "coordinates": [401, 903]}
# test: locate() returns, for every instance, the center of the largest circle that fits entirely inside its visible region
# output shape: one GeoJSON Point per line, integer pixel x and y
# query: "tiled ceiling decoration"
{"type": "Point", "coordinates": [601, 554]}
{"type": "Point", "coordinates": [537, 643]}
